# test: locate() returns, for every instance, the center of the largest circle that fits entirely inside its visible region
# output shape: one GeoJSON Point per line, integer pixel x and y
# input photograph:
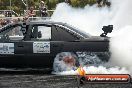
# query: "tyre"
{"type": "Point", "coordinates": [65, 61]}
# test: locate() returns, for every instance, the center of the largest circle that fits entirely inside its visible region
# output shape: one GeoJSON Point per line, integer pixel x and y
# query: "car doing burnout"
{"type": "Point", "coordinates": [36, 44]}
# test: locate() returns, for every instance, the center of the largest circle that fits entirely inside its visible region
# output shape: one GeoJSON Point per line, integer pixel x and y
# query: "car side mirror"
{"type": "Point", "coordinates": [39, 34]}
{"type": "Point", "coordinates": [23, 30]}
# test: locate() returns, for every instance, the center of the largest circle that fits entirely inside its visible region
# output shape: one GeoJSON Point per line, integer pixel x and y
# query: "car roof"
{"type": "Point", "coordinates": [50, 23]}
{"type": "Point", "coordinates": [44, 22]}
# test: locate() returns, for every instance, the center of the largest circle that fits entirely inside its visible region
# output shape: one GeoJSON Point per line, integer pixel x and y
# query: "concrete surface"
{"type": "Point", "coordinates": [43, 80]}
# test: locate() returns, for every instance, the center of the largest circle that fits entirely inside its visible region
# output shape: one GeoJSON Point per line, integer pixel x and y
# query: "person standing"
{"type": "Point", "coordinates": [43, 9]}
{"type": "Point", "coordinates": [31, 12]}
{"type": "Point", "coordinates": [0, 23]}
{"type": "Point", "coordinates": [68, 1]}
{"type": "Point", "coordinates": [102, 3]}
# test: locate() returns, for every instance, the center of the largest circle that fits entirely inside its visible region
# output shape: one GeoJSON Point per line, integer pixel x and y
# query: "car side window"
{"type": "Point", "coordinates": [15, 33]}
{"type": "Point", "coordinates": [61, 34]}
{"type": "Point", "coordinates": [41, 32]}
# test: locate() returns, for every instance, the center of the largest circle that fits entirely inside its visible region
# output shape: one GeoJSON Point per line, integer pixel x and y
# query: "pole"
{"type": "Point", "coordinates": [27, 4]}
{"type": "Point", "coordinates": [10, 4]}
{"type": "Point", "coordinates": [10, 12]}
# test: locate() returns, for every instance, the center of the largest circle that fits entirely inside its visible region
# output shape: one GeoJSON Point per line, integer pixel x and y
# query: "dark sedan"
{"type": "Point", "coordinates": [36, 44]}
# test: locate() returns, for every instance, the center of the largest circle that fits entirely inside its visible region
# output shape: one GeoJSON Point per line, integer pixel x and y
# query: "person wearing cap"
{"type": "Point", "coordinates": [43, 9]}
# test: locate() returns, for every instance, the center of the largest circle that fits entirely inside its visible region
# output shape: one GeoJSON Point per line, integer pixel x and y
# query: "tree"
{"type": "Point", "coordinates": [19, 7]}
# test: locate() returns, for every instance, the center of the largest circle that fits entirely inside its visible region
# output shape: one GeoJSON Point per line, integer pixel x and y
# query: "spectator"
{"type": "Point", "coordinates": [68, 1]}
{"type": "Point", "coordinates": [31, 12]}
{"type": "Point", "coordinates": [103, 3]}
{"type": "Point", "coordinates": [100, 3]}
{"type": "Point", "coordinates": [25, 19]}
{"type": "Point", "coordinates": [43, 9]}
{"type": "Point", "coordinates": [19, 20]}
{"type": "Point", "coordinates": [0, 23]}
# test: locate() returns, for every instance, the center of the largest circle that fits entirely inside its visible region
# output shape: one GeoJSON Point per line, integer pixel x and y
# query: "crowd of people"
{"type": "Point", "coordinates": [43, 11]}
{"type": "Point", "coordinates": [4, 22]}
{"type": "Point", "coordinates": [102, 3]}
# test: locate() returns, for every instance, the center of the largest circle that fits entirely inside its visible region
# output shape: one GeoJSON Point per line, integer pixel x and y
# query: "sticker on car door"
{"type": "Point", "coordinates": [41, 47]}
{"type": "Point", "coordinates": [6, 48]}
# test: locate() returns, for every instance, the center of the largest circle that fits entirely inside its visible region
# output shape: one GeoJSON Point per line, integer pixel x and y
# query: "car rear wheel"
{"type": "Point", "coordinates": [65, 61]}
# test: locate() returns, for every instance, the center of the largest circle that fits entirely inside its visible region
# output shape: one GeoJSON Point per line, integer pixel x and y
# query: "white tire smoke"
{"type": "Point", "coordinates": [91, 19]}
{"type": "Point", "coordinates": [121, 48]}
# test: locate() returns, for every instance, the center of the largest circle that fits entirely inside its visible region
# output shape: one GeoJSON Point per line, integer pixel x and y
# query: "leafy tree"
{"type": "Point", "coordinates": [19, 7]}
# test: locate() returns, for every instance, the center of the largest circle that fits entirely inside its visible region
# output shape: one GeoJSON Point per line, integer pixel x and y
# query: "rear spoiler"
{"type": "Point", "coordinates": [106, 29]}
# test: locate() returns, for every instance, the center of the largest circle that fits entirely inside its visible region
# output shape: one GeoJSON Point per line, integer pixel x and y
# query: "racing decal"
{"type": "Point", "coordinates": [41, 47]}
{"type": "Point", "coordinates": [6, 48]}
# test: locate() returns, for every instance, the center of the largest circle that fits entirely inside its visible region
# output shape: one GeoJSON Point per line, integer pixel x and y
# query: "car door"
{"type": "Point", "coordinates": [73, 41]}
{"type": "Point", "coordinates": [12, 47]}
{"type": "Point", "coordinates": [38, 40]}
{"type": "Point", "coordinates": [62, 40]}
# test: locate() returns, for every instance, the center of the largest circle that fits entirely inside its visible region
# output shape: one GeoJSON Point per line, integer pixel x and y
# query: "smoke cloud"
{"type": "Point", "coordinates": [121, 48]}
{"type": "Point", "coordinates": [85, 19]}
{"type": "Point", "coordinates": [90, 19]}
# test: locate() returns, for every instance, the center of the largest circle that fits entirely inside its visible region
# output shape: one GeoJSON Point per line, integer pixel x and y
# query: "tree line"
{"type": "Point", "coordinates": [18, 6]}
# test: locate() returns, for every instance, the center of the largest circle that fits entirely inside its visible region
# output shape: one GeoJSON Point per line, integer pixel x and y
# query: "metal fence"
{"type": "Point", "coordinates": [6, 20]}
{"type": "Point", "coordinates": [3, 13]}
{"type": "Point", "coordinates": [6, 13]}
{"type": "Point", "coordinates": [38, 12]}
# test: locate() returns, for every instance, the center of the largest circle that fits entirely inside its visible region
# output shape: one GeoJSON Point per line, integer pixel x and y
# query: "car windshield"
{"type": "Point", "coordinates": [5, 26]}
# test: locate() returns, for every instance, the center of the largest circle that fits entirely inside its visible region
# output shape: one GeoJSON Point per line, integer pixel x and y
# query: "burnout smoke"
{"type": "Point", "coordinates": [85, 19]}
{"type": "Point", "coordinates": [90, 19]}
{"type": "Point", "coordinates": [121, 48]}
{"type": "Point", "coordinates": [121, 42]}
